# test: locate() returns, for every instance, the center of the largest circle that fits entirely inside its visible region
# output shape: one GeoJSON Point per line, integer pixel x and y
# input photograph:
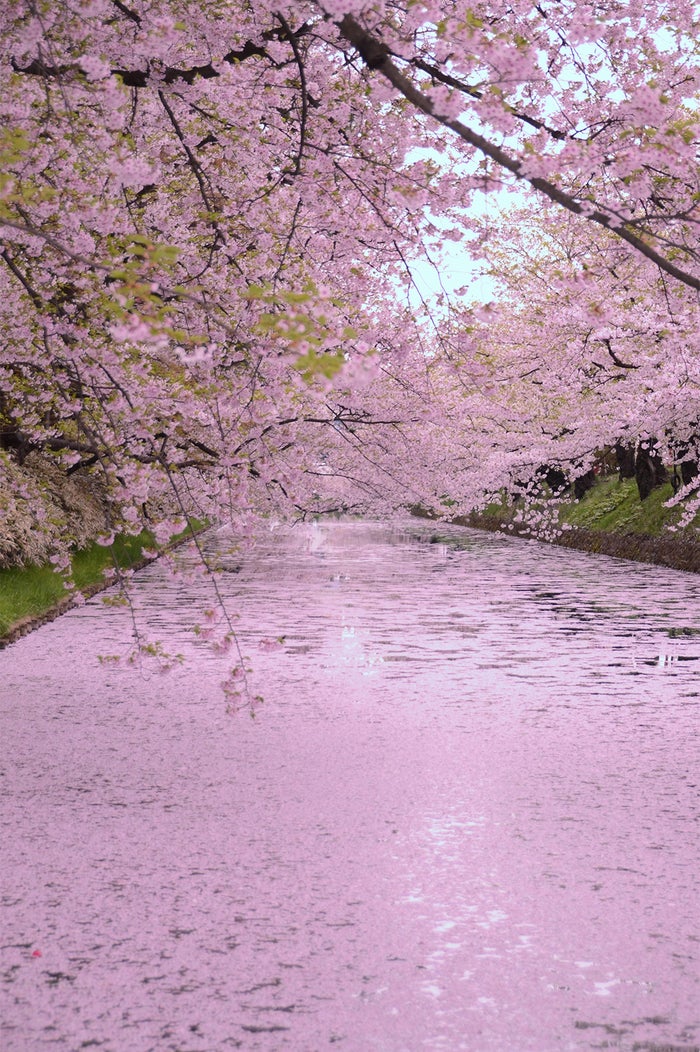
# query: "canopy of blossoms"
{"type": "Point", "coordinates": [211, 217]}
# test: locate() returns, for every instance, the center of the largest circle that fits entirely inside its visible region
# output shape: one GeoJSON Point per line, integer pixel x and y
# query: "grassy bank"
{"type": "Point", "coordinates": [613, 506]}
{"type": "Point", "coordinates": [30, 592]}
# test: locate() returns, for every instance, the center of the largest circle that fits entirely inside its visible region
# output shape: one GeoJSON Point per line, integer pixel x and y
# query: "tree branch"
{"type": "Point", "coordinates": [304, 93]}
{"type": "Point", "coordinates": [376, 56]}
{"type": "Point", "coordinates": [474, 93]}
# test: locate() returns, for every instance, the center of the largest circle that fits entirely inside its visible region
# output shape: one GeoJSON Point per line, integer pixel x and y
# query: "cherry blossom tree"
{"type": "Point", "coordinates": [585, 355]}
{"type": "Point", "coordinates": [211, 217]}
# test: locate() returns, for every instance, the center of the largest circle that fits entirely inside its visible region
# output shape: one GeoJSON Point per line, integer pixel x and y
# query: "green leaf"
{"type": "Point", "coordinates": [314, 364]}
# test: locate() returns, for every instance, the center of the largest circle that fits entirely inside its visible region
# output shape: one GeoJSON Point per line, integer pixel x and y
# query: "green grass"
{"type": "Point", "coordinates": [613, 506]}
{"type": "Point", "coordinates": [502, 508]}
{"type": "Point", "coordinates": [31, 591]}
{"type": "Point", "coordinates": [27, 592]}
{"type": "Point", "coordinates": [89, 564]}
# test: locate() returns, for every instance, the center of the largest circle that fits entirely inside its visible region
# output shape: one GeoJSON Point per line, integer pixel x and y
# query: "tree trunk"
{"type": "Point", "coordinates": [649, 471]}
{"type": "Point", "coordinates": [625, 460]}
{"type": "Point", "coordinates": [583, 483]}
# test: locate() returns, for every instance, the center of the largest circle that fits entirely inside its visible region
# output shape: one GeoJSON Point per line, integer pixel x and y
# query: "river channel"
{"type": "Point", "coordinates": [464, 816]}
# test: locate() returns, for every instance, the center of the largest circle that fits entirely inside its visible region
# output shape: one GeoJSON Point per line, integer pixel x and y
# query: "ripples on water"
{"type": "Point", "coordinates": [465, 816]}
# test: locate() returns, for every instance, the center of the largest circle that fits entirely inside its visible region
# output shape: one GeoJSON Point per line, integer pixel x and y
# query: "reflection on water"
{"type": "Point", "coordinates": [465, 816]}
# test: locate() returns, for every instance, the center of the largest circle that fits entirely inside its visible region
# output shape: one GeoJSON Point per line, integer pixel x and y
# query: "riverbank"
{"type": "Point", "coordinates": [31, 596]}
{"type": "Point", "coordinates": [609, 520]}
{"type": "Point", "coordinates": [678, 553]}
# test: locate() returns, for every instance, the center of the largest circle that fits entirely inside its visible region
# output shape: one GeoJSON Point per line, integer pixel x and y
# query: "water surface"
{"type": "Point", "coordinates": [464, 817]}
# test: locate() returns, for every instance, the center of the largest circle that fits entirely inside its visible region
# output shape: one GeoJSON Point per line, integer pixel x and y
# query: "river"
{"type": "Point", "coordinates": [464, 815]}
